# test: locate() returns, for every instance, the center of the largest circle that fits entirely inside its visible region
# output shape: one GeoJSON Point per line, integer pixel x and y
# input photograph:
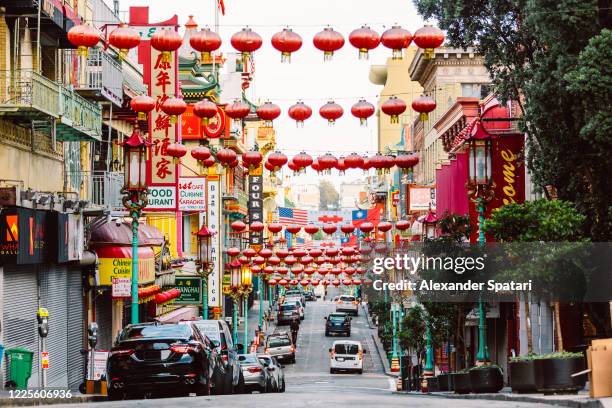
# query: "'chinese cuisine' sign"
{"type": "Point", "coordinates": [163, 131]}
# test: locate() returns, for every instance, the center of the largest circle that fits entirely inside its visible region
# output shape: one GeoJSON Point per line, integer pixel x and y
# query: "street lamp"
{"type": "Point", "coordinates": [481, 190]}
{"type": "Point", "coordinates": [429, 225]}
{"type": "Point", "coordinates": [135, 198]}
{"type": "Point", "coordinates": [204, 236]}
{"type": "Point", "coordinates": [247, 287]}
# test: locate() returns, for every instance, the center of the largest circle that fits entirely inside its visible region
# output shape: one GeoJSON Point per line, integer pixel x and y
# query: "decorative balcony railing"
{"type": "Point", "coordinates": [101, 188]}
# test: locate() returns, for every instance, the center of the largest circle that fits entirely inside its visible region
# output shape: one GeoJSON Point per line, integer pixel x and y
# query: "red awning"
{"type": "Point", "coordinates": [124, 252]}
{"type": "Point", "coordinates": [167, 296]}
{"type": "Point", "coordinates": [113, 234]}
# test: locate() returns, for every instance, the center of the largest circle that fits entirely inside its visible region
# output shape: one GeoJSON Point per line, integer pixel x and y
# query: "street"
{"type": "Point", "coordinates": [309, 383]}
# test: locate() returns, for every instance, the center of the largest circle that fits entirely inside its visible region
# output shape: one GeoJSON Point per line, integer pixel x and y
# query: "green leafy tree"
{"type": "Point", "coordinates": [554, 58]}
{"type": "Point", "coordinates": [329, 199]}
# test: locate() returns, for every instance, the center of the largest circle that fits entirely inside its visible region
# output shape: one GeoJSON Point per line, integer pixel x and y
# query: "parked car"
{"type": "Point", "coordinates": [346, 355]}
{"type": "Point", "coordinates": [219, 333]}
{"type": "Point", "coordinates": [300, 306]}
{"type": "Point", "coordinates": [161, 358]}
{"type": "Point", "coordinates": [256, 377]}
{"type": "Point", "coordinates": [275, 369]}
{"type": "Point", "coordinates": [279, 345]}
{"type": "Point", "coordinates": [309, 295]}
{"type": "Point", "coordinates": [338, 323]}
{"type": "Point", "coordinates": [347, 303]}
{"type": "Point", "coordinates": [286, 313]}
{"type": "Point", "coordinates": [294, 293]}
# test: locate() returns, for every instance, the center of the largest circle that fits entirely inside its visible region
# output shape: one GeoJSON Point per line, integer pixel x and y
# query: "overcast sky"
{"type": "Point", "coordinates": [345, 78]}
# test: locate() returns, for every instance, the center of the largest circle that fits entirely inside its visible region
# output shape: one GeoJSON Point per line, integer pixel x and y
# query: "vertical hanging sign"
{"type": "Point", "coordinates": [256, 204]}
{"type": "Point", "coordinates": [213, 218]}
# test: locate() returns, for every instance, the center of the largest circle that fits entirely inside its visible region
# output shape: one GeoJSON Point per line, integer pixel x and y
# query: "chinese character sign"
{"type": "Point", "coordinates": [213, 216]}
{"type": "Point", "coordinates": [163, 132]}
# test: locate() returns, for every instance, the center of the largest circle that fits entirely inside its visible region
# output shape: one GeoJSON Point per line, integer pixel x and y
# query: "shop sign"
{"type": "Point", "coordinates": [255, 204]}
{"type": "Point", "coordinates": [227, 280]}
{"type": "Point", "coordinates": [213, 219]}
{"type": "Point", "coordinates": [109, 268]}
{"type": "Point", "coordinates": [162, 198]}
{"type": "Point", "coordinates": [99, 365]}
{"type": "Point", "coordinates": [191, 289]}
{"type": "Point", "coordinates": [44, 360]}
{"type": "Point", "coordinates": [421, 198]}
{"type": "Point", "coordinates": [192, 194]}
{"type": "Point", "coordinates": [23, 236]}
{"type": "Point", "coordinates": [122, 287]}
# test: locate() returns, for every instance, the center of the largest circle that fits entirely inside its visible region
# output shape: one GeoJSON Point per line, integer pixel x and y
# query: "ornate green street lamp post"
{"type": "Point", "coordinates": [205, 266]}
{"type": "Point", "coordinates": [235, 294]}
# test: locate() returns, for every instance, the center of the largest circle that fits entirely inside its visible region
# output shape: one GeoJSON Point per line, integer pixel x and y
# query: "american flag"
{"type": "Point", "coordinates": [292, 216]}
{"type": "Point", "coordinates": [301, 244]}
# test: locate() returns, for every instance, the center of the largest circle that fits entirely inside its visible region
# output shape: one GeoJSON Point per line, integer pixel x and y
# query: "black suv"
{"type": "Point", "coordinates": [158, 358]}
{"type": "Point", "coordinates": [338, 323]}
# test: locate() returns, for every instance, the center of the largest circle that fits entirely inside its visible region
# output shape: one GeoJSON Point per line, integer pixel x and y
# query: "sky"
{"type": "Point", "coordinates": [343, 79]}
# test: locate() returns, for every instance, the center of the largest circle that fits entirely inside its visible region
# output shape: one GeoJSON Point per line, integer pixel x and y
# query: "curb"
{"type": "Point", "coordinates": [590, 403]}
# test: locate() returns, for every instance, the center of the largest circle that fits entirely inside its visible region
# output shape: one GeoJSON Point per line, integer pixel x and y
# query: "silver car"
{"type": "Point", "coordinates": [279, 345]}
{"type": "Point", "coordinates": [347, 304]}
{"type": "Point", "coordinates": [275, 369]}
{"type": "Point", "coordinates": [256, 377]}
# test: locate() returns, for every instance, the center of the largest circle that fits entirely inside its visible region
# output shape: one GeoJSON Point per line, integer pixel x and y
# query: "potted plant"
{"type": "Point", "coordinates": [522, 374]}
{"type": "Point", "coordinates": [462, 382]}
{"type": "Point", "coordinates": [553, 372]}
{"type": "Point", "coordinates": [486, 378]}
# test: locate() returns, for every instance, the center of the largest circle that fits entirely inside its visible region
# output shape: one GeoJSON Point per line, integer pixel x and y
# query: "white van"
{"type": "Point", "coordinates": [346, 355]}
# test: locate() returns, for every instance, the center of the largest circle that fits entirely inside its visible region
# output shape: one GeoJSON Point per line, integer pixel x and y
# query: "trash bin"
{"type": "Point", "coordinates": [20, 367]}
{"type": "Point", "coordinates": [1, 353]}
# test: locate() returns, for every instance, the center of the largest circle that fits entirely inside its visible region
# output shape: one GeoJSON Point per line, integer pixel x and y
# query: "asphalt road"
{"type": "Point", "coordinates": [309, 383]}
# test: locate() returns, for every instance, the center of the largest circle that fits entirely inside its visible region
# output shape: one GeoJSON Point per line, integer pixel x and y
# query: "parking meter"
{"type": "Point", "coordinates": [92, 330]}
{"type": "Point", "coordinates": [43, 322]}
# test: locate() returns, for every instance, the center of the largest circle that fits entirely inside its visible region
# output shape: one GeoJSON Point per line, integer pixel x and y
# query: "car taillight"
{"type": "Point", "coordinates": [182, 349]}
{"type": "Point", "coordinates": [360, 355]}
{"type": "Point", "coordinates": [254, 370]}
{"type": "Point", "coordinates": [266, 350]}
{"type": "Point", "coordinates": [225, 358]}
{"type": "Point", "coordinates": [292, 349]}
{"type": "Point", "coordinates": [121, 353]}
{"type": "Point", "coordinates": [339, 302]}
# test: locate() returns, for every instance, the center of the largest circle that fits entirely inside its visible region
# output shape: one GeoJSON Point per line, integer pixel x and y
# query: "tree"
{"type": "Point", "coordinates": [328, 196]}
{"type": "Point", "coordinates": [554, 58]}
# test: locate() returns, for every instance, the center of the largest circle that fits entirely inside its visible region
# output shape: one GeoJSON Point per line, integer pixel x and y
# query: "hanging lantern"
{"type": "Point", "coordinates": [176, 151]}
{"type": "Point", "coordinates": [336, 282]}
{"type": "Point", "coordinates": [341, 165]}
{"type": "Point", "coordinates": [366, 227]}
{"type": "Point", "coordinates": [402, 225]}
{"type": "Point", "coordinates": [200, 153]}
{"type": "Point", "coordinates": [251, 159]}
{"type": "Point", "coordinates": [277, 159]}
{"type": "Point", "coordinates": [406, 162]}
{"type": "Point", "coordinates": [233, 251]}
{"type": "Point", "coordinates": [299, 252]}
{"type": "Point", "coordinates": [424, 104]}
{"type": "Point", "coordinates": [286, 42]}
{"type": "Point", "coordinates": [238, 110]}
{"type": "Point", "coordinates": [397, 39]}
{"type": "Point", "coordinates": [275, 228]}
{"type": "Point", "coordinates": [256, 270]}
{"type": "Point", "coordinates": [83, 36]}
{"type": "Point", "coordinates": [316, 166]}
{"type": "Point", "coordinates": [124, 38]}
{"type": "Point", "coordinates": [302, 160]}
{"type": "Point", "coordinates": [142, 104]}
{"type": "Point", "coordinates": [249, 252]}
{"type": "Point", "coordinates": [363, 110]}
{"type": "Point", "coordinates": [428, 38]}
{"type": "Point", "coordinates": [205, 42]}
{"type": "Point", "coordinates": [174, 107]}
{"type": "Point", "coordinates": [384, 226]}
{"type": "Point", "coordinates": [311, 229]}
{"type": "Point", "coordinates": [268, 112]}
{"type": "Point", "coordinates": [246, 41]}
{"type": "Point", "coordinates": [238, 226]}
{"type": "Point", "coordinates": [347, 228]}
{"type": "Point", "coordinates": [300, 112]}
{"type": "Point", "coordinates": [290, 260]}
{"type": "Point", "coordinates": [388, 163]}
{"type": "Point", "coordinates": [331, 111]}
{"type": "Point", "coordinates": [364, 39]}
{"type": "Point", "coordinates": [331, 251]}
{"type": "Point", "coordinates": [257, 226]}
{"type": "Point", "coordinates": [328, 41]}
{"type": "Point", "coordinates": [244, 260]}
{"type": "Point", "coordinates": [293, 167]}
{"type": "Point", "coordinates": [329, 229]}
{"type": "Point", "coordinates": [367, 164]}
{"type": "Point", "coordinates": [378, 162]}
{"type": "Point", "coordinates": [327, 162]}
{"type": "Point", "coordinates": [282, 253]}
{"type": "Point", "coordinates": [259, 260]}
{"type": "Point", "coordinates": [293, 228]}
{"type": "Point", "coordinates": [205, 110]}
{"type": "Point", "coordinates": [268, 166]}
{"type": "Point", "coordinates": [209, 162]}
{"type": "Point", "coordinates": [274, 260]}
{"type": "Point", "coordinates": [166, 41]}
{"type": "Point", "coordinates": [393, 107]}
{"type": "Point", "coordinates": [353, 161]}
{"type": "Point", "coordinates": [226, 157]}
{"type": "Point", "coordinates": [135, 159]}
{"type": "Point", "coordinates": [282, 270]}
{"type": "Point", "coordinates": [314, 252]}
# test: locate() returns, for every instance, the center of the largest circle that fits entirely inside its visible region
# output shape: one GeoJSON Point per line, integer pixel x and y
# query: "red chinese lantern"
{"type": "Point", "coordinates": [272, 281]}
{"type": "Point", "coordinates": [209, 162]}
{"type": "Point", "coordinates": [347, 251]}
{"type": "Point", "coordinates": [316, 166]}
{"type": "Point", "coordinates": [377, 161]}
{"type": "Point", "coordinates": [238, 226]}
{"type": "Point", "coordinates": [269, 167]}
{"type": "Point", "coordinates": [363, 110]}
{"type": "Point", "coordinates": [331, 251]}
{"type": "Point", "coordinates": [174, 107]}
{"type": "Point", "coordinates": [393, 107]}
{"type": "Point", "coordinates": [349, 271]}
{"type": "Point", "coordinates": [244, 260]}
{"type": "Point", "coordinates": [300, 112]}
{"type": "Point", "coordinates": [367, 164]}
{"type": "Point", "coordinates": [388, 162]}
{"type": "Point", "coordinates": [365, 250]}
{"type": "Point", "coordinates": [336, 282]}
{"type": "Point", "coordinates": [402, 225]}
{"type": "Point", "coordinates": [249, 252]}
{"type": "Point", "coordinates": [306, 260]}
{"type": "Point", "coordinates": [331, 111]}
{"type": "Point", "coordinates": [259, 227]}
{"type": "Point", "coordinates": [341, 165]}
{"type": "Point", "coordinates": [246, 41]}
{"type": "Point", "coordinates": [424, 104]}
{"type": "Point", "coordinates": [274, 260]}
{"type": "Point", "coordinates": [275, 228]}
{"type": "Point", "coordinates": [142, 104]}
{"type": "Point", "coordinates": [83, 37]}
{"type": "Point", "coordinates": [293, 167]}
{"type": "Point", "coordinates": [347, 228]}
{"type": "Point", "coordinates": [328, 41]}
{"type": "Point", "coordinates": [428, 38]}
{"type": "Point", "coordinates": [357, 281]}
{"type": "Point", "coordinates": [315, 282]}
{"type": "Point", "coordinates": [327, 162]}
{"type": "Point", "coordinates": [268, 112]}
{"type": "Point", "coordinates": [166, 41]}
{"type": "Point", "coordinates": [268, 270]}
{"type": "Point", "coordinates": [277, 159]}
{"type": "Point", "coordinates": [293, 228]}
{"type": "Point", "coordinates": [124, 38]}
{"type": "Point", "coordinates": [311, 229]}
{"type": "Point", "coordinates": [384, 226]}
{"type": "Point", "coordinates": [286, 42]}
{"type": "Point", "coordinates": [205, 42]}
{"type": "Point", "coordinates": [304, 282]}
{"type": "Point", "coordinates": [329, 229]}
{"type": "Point", "coordinates": [397, 39]}
{"type": "Point", "coordinates": [255, 270]}
{"type": "Point", "coordinates": [366, 227]}
{"type": "Point", "coordinates": [200, 153]}
{"type": "Point", "coordinates": [302, 160]}
{"type": "Point", "coordinates": [283, 282]}
{"type": "Point", "coordinates": [406, 162]}
{"type": "Point", "coordinates": [176, 151]}
{"type": "Point", "coordinates": [259, 260]}
{"type": "Point", "coordinates": [233, 251]}
{"type": "Point", "coordinates": [364, 39]}
{"type": "Point", "coordinates": [251, 159]}
{"type": "Point", "coordinates": [226, 157]}
{"type": "Point", "coordinates": [314, 252]}
{"type": "Point", "coordinates": [290, 260]}
{"type": "Point", "coordinates": [238, 110]}
{"type": "Point", "coordinates": [205, 110]}
{"type": "Point", "coordinates": [353, 161]}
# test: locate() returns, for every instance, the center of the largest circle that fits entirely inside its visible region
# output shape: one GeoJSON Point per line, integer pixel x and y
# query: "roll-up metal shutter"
{"type": "Point", "coordinates": [76, 328]}
{"type": "Point", "coordinates": [20, 328]}
{"type": "Point", "coordinates": [104, 318]}
{"type": "Point", "coordinates": [53, 286]}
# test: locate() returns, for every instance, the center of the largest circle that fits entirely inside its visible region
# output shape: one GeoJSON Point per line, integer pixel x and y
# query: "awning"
{"type": "Point", "coordinates": [118, 235]}
{"type": "Point", "coordinates": [167, 296]}
{"type": "Point", "coordinates": [116, 262]}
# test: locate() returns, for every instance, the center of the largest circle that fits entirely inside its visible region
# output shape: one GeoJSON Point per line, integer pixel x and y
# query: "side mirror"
{"type": "Point", "coordinates": [329, 350]}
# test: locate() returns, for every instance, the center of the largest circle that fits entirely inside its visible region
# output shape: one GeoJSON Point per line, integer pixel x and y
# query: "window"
{"type": "Point", "coordinates": [475, 90]}
{"type": "Point", "coordinates": [346, 349]}
{"type": "Point", "coordinates": [279, 342]}
{"type": "Point", "coordinates": [169, 331]}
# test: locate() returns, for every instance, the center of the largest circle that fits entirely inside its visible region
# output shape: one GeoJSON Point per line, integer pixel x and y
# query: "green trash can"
{"type": "Point", "coordinates": [20, 367]}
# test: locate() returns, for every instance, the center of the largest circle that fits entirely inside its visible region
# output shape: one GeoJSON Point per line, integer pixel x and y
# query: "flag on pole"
{"type": "Point", "coordinates": [292, 216]}
{"type": "Point", "coordinates": [221, 5]}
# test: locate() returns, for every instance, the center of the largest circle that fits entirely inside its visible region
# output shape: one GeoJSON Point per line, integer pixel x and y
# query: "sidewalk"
{"type": "Point", "coordinates": [77, 398]}
{"type": "Point", "coordinates": [253, 322]}
{"type": "Point", "coordinates": [379, 347]}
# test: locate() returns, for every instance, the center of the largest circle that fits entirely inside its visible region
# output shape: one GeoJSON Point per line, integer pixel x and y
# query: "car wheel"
{"type": "Point", "coordinates": [332, 371]}
{"type": "Point", "coordinates": [203, 389]}
{"type": "Point", "coordinates": [360, 371]}
{"type": "Point", "coordinates": [115, 395]}
{"type": "Point", "coordinates": [326, 333]}
{"type": "Point", "coordinates": [228, 387]}
{"type": "Point", "coordinates": [219, 381]}
{"type": "Point", "coordinates": [282, 389]}
{"type": "Point", "coordinates": [348, 333]}
{"type": "Point", "coordinates": [241, 389]}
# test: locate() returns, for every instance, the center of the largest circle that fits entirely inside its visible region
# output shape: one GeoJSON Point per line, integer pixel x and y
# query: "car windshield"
{"type": "Point", "coordinates": [248, 358]}
{"type": "Point", "coordinates": [345, 348]}
{"type": "Point", "coordinates": [265, 361]}
{"type": "Point", "coordinates": [336, 318]}
{"type": "Point", "coordinates": [347, 298]}
{"type": "Point", "coordinates": [288, 307]}
{"type": "Point", "coordinates": [278, 342]}
{"type": "Point", "coordinates": [166, 331]}
{"type": "Point", "coordinates": [210, 330]}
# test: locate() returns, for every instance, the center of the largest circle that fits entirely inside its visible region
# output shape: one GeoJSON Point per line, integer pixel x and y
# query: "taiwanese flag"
{"type": "Point", "coordinates": [372, 215]}
{"type": "Point", "coordinates": [349, 241]}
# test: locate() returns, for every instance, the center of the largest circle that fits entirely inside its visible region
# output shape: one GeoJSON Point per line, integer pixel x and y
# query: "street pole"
{"type": "Point", "coordinates": [246, 320]}
{"type": "Point", "coordinates": [393, 319]}
{"type": "Point", "coordinates": [135, 216]}
{"type": "Point", "coordinates": [260, 283]}
{"type": "Point", "coordinates": [483, 349]}
{"type": "Point", "coordinates": [429, 360]}
{"type": "Point", "coordinates": [205, 296]}
{"type": "Point", "coordinates": [235, 322]}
